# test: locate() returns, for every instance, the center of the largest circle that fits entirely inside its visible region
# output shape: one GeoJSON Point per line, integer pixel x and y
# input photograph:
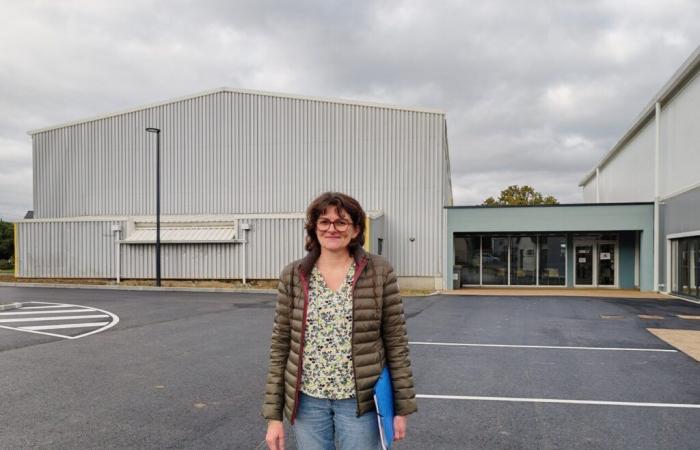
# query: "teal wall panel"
{"type": "Point", "coordinates": [562, 218]}
{"type": "Point", "coordinates": [626, 264]}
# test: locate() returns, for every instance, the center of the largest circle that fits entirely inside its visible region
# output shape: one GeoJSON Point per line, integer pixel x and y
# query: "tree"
{"type": "Point", "coordinates": [521, 195]}
{"type": "Point", "coordinates": [7, 237]}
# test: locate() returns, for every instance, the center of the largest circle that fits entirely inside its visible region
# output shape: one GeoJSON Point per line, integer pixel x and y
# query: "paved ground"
{"type": "Point", "coordinates": [183, 370]}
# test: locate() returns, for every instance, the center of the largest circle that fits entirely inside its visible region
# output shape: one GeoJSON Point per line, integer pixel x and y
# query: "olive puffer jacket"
{"type": "Point", "coordinates": [378, 336]}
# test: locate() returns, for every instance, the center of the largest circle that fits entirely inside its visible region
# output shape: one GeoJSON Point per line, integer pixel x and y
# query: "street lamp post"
{"type": "Point", "coordinates": [157, 132]}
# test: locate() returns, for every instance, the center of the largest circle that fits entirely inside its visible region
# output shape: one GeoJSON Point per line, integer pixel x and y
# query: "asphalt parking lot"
{"type": "Point", "coordinates": [186, 370]}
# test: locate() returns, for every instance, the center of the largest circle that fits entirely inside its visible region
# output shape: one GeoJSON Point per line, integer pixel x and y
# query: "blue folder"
{"type": "Point", "coordinates": [384, 401]}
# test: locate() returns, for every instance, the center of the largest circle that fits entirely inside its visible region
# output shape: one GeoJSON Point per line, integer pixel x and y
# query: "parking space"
{"type": "Point", "coordinates": [186, 370]}
{"type": "Point", "coordinates": [542, 372]}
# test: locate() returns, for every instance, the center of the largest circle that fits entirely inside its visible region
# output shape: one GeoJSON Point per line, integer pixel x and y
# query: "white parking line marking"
{"type": "Point", "coordinates": [41, 319]}
{"type": "Point", "coordinates": [65, 325]}
{"type": "Point", "coordinates": [53, 311]}
{"type": "Point", "coordinates": [56, 305]}
{"type": "Point", "coordinates": [554, 400]}
{"type": "Point", "coordinates": [36, 329]}
{"type": "Point", "coordinates": [556, 347]}
{"type": "Point", "coordinates": [685, 299]}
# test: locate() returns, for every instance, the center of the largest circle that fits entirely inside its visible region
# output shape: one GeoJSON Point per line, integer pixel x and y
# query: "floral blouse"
{"type": "Point", "coordinates": [328, 371]}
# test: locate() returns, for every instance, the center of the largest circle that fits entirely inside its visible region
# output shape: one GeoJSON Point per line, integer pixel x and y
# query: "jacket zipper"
{"type": "Point", "coordinates": [297, 388]}
{"type": "Point", "coordinates": [360, 268]}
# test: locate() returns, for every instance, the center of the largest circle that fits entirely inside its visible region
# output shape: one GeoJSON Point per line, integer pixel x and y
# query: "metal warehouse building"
{"type": "Point", "coordinates": [238, 170]}
{"type": "Point", "coordinates": [657, 161]}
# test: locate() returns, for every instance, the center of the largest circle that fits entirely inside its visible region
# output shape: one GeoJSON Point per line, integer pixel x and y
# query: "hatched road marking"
{"type": "Point", "coordinates": [34, 318]}
{"type": "Point", "coordinates": [57, 305]}
{"type": "Point", "coordinates": [66, 325]}
{"type": "Point", "coordinates": [14, 313]}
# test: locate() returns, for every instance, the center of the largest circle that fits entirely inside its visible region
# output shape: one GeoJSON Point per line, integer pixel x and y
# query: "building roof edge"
{"type": "Point", "coordinates": [684, 74]}
{"type": "Point", "coordinates": [237, 91]}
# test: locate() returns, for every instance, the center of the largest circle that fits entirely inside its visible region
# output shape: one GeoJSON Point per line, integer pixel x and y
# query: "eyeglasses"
{"type": "Point", "coordinates": [325, 224]}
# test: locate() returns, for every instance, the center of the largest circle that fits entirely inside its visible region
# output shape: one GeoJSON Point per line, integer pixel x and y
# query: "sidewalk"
{"type": "Point", "coordinates": [118, 287]}
{"type": "Point", "coordinates": [520, 291]}
{"type": "Point", "coordinates": [560, 292]}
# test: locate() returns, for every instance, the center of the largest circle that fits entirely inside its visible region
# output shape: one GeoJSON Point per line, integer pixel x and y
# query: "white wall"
{"type": "Point", "coordinates": [680, 140]}
{"type": "Point", "coordinates": [589, 191]}
{"type": "Point", "coordinates": [629, 176]}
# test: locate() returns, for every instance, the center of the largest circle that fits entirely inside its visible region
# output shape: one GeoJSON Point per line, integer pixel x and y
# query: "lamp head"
{"type": "Point", "coordinates": [153, 130]}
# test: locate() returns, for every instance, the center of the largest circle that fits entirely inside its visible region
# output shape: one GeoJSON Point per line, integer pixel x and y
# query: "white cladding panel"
{"type": "Point", "coordinates": [79, 249]}
{"type": "Point", "coordinates": [629, 175]}
{"type": "Point", "coordinates": [231, 152]}
{"type": "Point", "coordinates": [87, 249]}
{"type": "Point", "coordinates": [589, 191]}
{"type": "Point", "coordinates": [680, 140]}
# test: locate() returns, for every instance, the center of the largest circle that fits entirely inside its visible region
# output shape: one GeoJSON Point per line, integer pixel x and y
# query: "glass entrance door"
{"type": "Point", "coordinates": [584, 264]}
{"type": "Point", "coordinates": [606, 264]}
{"type": "Point", "coordinates": [688, 267]}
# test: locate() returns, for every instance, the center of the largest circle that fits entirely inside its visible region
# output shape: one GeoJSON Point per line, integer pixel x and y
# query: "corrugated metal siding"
{"type": "Point", "coordinates": [233, 152]}
{"type": "Point", "coordinates": [88, 250]}
{"type": "Point", "coordinates": [629, 175]}
{"type": "Point", "coordinates": [589, 191]}
{"type": "Point", "coordinates": [680, 140]}
{"type": "Point", "coordinates": [67, 249]}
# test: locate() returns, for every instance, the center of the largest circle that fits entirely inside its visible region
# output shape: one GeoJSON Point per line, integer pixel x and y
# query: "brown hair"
{"type": "Point", "coordinates": [341, 202]}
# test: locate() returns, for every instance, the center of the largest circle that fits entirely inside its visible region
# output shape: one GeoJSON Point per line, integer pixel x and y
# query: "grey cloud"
{"type": "Point", "coordinates": [536, 92]}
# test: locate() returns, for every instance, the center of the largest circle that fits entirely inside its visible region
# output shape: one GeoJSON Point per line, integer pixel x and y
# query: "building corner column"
{"type": "Point", "coordinates": [657, 174]}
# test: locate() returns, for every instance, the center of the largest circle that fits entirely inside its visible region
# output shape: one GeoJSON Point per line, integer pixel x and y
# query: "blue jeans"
{"type": "Point", "coordinates": [319, 422]}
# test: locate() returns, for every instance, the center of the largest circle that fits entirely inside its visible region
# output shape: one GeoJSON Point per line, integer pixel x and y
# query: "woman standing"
{"type": "Point", "coordinates": [339, 319]}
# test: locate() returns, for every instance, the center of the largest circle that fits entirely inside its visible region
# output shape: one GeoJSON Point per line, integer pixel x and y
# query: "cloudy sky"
{"type": "Point", "coordinates": [535, 91]}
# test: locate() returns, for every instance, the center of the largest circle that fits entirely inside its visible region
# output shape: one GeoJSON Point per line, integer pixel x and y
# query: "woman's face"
{"type": "Point", "coordinates": [332, 239]}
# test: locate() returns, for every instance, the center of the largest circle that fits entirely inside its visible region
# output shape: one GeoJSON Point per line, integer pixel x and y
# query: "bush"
{"type": "Point", "coordinates": [6, 264]}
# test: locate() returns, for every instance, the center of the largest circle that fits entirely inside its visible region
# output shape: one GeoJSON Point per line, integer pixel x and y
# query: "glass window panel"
{"type": "Point", "coordinates": [523, 260]}
{"type": "Point", "coordinates": [495, 260]}
{"type": "Point", "coordinates": [674, 266]}
{"type": "Point", "coordinates": [683, 267]}
{"type": "Point", "coordinates": [584, 264]}
{"type": "Point", "coordinates": [552, 260]}
{"type": "Point", "coordinates": [686, 267]}
{"type": "Point", "coordinates": [467, 259]}
{"type": "Point", "coordinates": [606, 264]}
{"type": "Point", "coordinates": [694, 262]}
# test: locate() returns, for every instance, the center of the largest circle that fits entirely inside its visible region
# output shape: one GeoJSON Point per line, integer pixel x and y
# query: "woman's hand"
{"type": "Point", "coordinates": [275, 435]}
{"type": "Point", "coordinates": [400, 427]}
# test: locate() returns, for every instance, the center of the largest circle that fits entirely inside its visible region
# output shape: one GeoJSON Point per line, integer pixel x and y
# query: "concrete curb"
{"type": "Point", "coordinates": [137, 288]}
{"type": "Point", "coordinates": [10, 306]}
